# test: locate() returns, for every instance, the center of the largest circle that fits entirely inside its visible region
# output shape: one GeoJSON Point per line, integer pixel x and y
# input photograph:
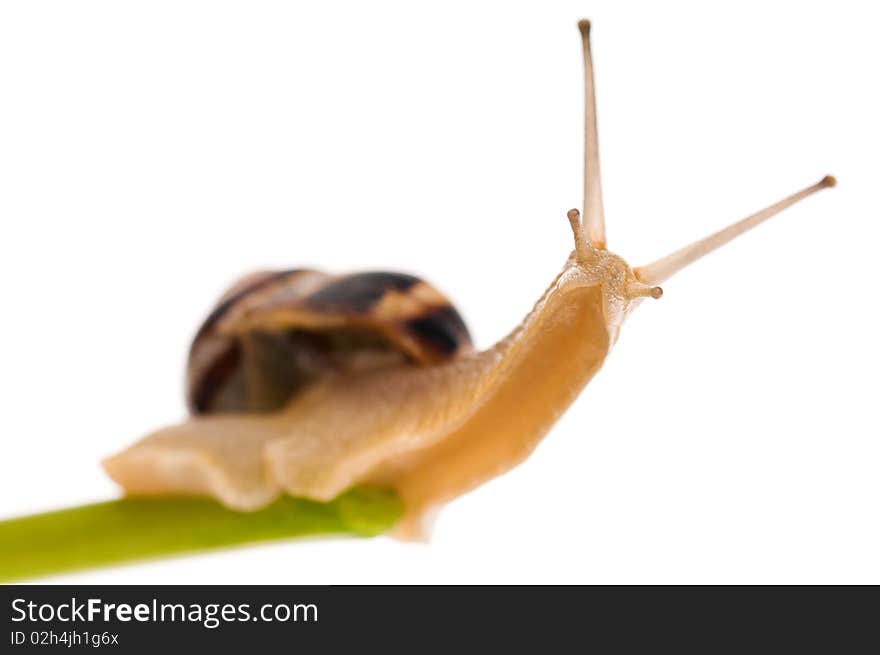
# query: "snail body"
{"type": "Point", "coordinates": [307, 384]}
{"type": "Point", "coordinates": [430, 430]}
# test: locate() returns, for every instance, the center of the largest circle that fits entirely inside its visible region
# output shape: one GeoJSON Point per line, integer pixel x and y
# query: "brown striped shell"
{"type": "Point", "coordinates": [272, 333]}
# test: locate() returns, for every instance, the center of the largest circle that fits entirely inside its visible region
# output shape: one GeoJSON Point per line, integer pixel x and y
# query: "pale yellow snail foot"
{"type": "Point", "coordinates": [220, 457]}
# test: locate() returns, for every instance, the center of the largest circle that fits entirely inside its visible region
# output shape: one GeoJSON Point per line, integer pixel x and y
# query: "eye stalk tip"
{"type": "Point", "coordinates": [584, 26]}
{"type": "Point", "coordinates": [573, 214]}
{"type": "Point", "coordinates": [829, 181]}
{"type": "Point", "coordinates": [656, 293]}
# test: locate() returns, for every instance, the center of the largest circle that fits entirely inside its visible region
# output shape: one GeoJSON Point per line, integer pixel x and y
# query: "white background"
{"type": "Point", "coordinates": [152, 151]}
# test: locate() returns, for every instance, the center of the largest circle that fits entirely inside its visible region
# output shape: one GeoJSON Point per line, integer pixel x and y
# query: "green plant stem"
{"type": "Point", "coordinates": [133, 529]}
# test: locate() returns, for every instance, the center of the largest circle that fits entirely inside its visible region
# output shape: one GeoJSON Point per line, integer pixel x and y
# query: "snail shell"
{"type": "Point", "coordinates": [274, 333]}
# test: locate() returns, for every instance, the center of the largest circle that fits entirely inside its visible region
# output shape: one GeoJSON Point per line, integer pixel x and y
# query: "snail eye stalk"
{"type": "Point", "coordinates": [665, 267]}
{"type": "Point", "coordinates": [594, 213]}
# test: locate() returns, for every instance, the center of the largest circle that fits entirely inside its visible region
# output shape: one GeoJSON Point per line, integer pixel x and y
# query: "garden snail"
{"type": "Point", "coordinates": [308, 384]}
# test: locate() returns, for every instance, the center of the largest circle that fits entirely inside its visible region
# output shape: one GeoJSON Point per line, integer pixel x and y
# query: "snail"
{"type": "Point", "coordinates": [306, 383]}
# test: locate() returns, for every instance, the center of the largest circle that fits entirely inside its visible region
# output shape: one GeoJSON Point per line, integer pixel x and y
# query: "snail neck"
{"type": "Point", "coordinates": [542, 365]}
{"type": "Point", "coordinates": [510, 395]}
